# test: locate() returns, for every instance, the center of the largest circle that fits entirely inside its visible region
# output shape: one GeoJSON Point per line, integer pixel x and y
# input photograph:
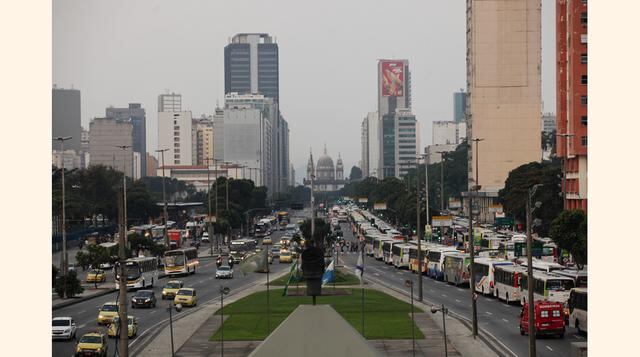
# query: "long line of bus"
{"type": "Point", "coordinates": [497, 269]}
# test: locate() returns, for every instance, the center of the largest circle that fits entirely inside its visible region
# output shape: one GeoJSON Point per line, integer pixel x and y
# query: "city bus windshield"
{"type": "Point", "coordinates": [174, 260]}
{"type": "Point", "coordinates": [559, 285]}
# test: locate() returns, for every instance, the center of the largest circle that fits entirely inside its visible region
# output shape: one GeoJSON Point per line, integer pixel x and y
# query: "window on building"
{"type": "Point", "coordinates": [583, 100]}
{"type": "Point", "coordinates": [177, 151]}
{"type": "Point", "coordinates": [583, 38]}
{"type": "Point", "coordinates": [177, 127]}
{"type": "Point", "coordinates": [583, 120]}
{"type": "Point", "coordinates": [584, 141]}
{"type": "Point", "coordinates": [583, 1]}
{"type": "Point", "coordinates": [583, 79]}
{"type": "Point", "coordinates": [583, 58]}
{"type": "Point", "coordinates": [175, 122]}
{"type": "Point", "coordinates": [176, 145]}
{"type": "Point", "coordinates": [583, 18]}
{"type": "Point", "coordinates": [176, 139]}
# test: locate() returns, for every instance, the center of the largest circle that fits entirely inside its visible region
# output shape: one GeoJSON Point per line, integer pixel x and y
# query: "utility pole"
{"type": "Point", "coordinates": [529, 210]}
{"type": "Point", "coordinates": [472, 280]}
{"type": "Point", "coordinates": [442, 159]}
{"type": "Point", "coordinates": [210, 221]}
{"type": "Point", "coordinates": [215, 170]}
{"type": "Point", "coordinates": [313, 211]}
{"type": "Point", "coordinates": [124, 183]}
{"type": "Point", "coordinates": [227, 185]}
{"type": "Point", "coordinates": [123, 336]}
{"type": "Point", "coordinates": [65, 257]}
{"type": "Point", "coordinates": [418, 231]}
{"type": "Point", "coordinates": [164, 198]}
{"type": "Point", "coordinates": [564, 170]}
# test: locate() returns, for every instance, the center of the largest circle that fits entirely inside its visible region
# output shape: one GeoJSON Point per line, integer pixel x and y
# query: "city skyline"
{"type": "Point", "coordinates": [86, 44]}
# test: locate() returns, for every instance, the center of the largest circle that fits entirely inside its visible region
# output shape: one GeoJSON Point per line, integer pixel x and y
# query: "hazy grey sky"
{"type": "Point", "coordinates": [119, 51]}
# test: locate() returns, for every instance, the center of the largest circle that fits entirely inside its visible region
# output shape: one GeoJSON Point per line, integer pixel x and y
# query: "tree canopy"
{"type": "Point", "coordinates": [569, 232]}
{"type": "Point", "coordinates": [356, 173]}
{"type": "Point", "coordinates": [514, 194]}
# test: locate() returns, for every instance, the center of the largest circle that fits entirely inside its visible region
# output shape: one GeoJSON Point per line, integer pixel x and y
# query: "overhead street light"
{"type": "Point", "coordinates": [164, 198]}
{"type": "Point", "coordinates": [445, 311]}
{"type": "Point", "coordinates": [224, 290]}
{"type": "Point", "coordinates": [65, 262]}
{"type": "Point", "coordinates": [529, 211]}
{"type": "Point", "coordinates": [124, 183]}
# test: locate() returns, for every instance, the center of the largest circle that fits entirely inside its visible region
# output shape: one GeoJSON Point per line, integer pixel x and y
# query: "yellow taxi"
{"type": "Point", "coordinates": [285, 257]}
{"type": "Point", "coordinates": [171, 288]}
{"type": "Point", "coordinates": [96, 276]}
{"type": "Point", "coordinates": [107, 313]}
{"type": "Point", "coordinates": [267, 241]}
{"type": "Point", "coordinates": [186, 297]}
{"type": "Point", "coordinates": [91, 344]}
{"type": "Point", "coordinates": [132, 326]}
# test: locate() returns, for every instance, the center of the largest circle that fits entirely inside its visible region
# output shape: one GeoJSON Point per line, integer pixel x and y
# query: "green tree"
{"type": "Point", "coordinates": [140, 204]}
{"type": "Point", "coordinates": [514, 194]}
{"type": "Point", "coordinates": [569, 232]}
{"type": "Point", "coordinates": [74, 286]}
{"type": "Point", "coordinates": [356, 173]}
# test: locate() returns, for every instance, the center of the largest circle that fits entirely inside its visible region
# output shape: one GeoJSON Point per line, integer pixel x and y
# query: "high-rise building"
{"type": "Point", "coordinates": [459, 106]}
{"type": "Point", "coordinates": [448, 132]}
{"type": "Point", "coordinates": [394, 97]}
{"type": "Point", "coordinates": [176, 133]}
{"type": "Point", "coordinates": [364, 147]}
{"type": "Point", "coordinates": [548, 122]}
{"type": "Point", "coordinates": [281, 162]}
{"type": "Point", "coordinates": [244, 134]}
{"type": "Point", "coordinates": [66, 118]}
{"type": "Point", "coordinates": [152, 165]}
{"type": "Point", "coordinates": [106, 134]}
{"type": "Point", "coordinates": [170, 102]}
{"type": "Point", "coordinates": [204, 145]}
{"type": "Point", "coordinates": [571, 99]}
{"type": "Point", "coordinates": [407, 142]}
{"type": "Point", "coordinates": [251, 65]}
{"type": "Point", "coordinates": [503, 86]}
{"type": "Point", "coordinates": [137, 116]}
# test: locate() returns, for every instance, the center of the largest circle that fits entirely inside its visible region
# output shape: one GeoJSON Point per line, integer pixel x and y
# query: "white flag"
{"type": "Point", "coordinates": [360, 267]}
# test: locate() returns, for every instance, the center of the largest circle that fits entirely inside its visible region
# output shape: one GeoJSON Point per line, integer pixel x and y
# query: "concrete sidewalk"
{"type": "Point", "coordinates": [89, 293]}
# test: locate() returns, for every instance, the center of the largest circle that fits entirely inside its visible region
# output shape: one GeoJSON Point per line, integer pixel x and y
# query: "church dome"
{"type": "Point", "coordinates": [325, 169]}
{"type": "Point", "coordinates": [325, 162]}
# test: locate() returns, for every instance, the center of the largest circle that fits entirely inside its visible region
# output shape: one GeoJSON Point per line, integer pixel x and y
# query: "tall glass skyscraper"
{"type": "Point", "coordinates": [251, 65]}
{"type": "Point", "coordinates": [459, 106]}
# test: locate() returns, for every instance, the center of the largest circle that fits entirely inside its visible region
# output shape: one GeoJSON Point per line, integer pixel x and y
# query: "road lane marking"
{"type": "Point", "coordinates": [81, 312]}
{"type": "Point", "coordinates": [399, 273]}
{"type": "Point", "coordinates": [376, 274]}
{"type": "Point", "coordinates": [153, 312]}
{"type": "Point", "coordinates": [460, 289]}
{"type": "Point", "coordinates": [431, 290]}
{"type": "Point", "coordinates": [82, 326]}
{"type": "Point", "coordinates": [458, 301]}
{"type": "Point", "coordinates": [549, 348]}
{"type": "Point", "coordinates": [505, 320]}
{"type": "Point", "coordinates": [578, 337]}
{"type": "Point", "coordinates": [488, 313]}
{"type": "Point", "coordinates": [443, 295]}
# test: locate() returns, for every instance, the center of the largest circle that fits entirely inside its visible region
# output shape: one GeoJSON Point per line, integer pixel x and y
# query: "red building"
{"type": "Point", "coordinates": [571, 101]}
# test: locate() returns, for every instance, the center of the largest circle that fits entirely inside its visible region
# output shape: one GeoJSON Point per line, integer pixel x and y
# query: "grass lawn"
{"type": "Point", "coordinates": [342, 278]}
{"type": "Point", "coordinates": [385, 316]}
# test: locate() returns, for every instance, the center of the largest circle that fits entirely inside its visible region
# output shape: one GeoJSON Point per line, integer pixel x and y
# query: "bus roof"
{"type": "Point", "coordinates": [512, 268]}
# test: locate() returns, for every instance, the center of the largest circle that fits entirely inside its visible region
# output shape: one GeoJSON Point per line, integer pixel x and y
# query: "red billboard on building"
{"type": "Point", "coordinates": [392, 78]}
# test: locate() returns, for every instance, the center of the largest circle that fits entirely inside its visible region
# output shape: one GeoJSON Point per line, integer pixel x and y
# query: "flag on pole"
{"type": "Point", "coordinates": [293, 277]}
{"type": "Point", "coordinates": [329, 274]}
{"type": "Point", "coordinates": [360, 266]}
{"type": "Point", "coordinates": [254, 263]}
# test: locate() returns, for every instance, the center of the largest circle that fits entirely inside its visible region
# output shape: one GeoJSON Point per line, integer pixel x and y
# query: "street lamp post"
{"type": "Point", "coordinates": [64, 229]}
{"type": "Point", "coordinates": [418, 209]}
{"type": "Point", "coordinates": [224, 290]}
{"type": "Point", "coordinates": [227, 185]}
{"type": "Point", "coordinates": [442, 159]}
{"type": "Point", "coordinates": [164, 198]}
{"type": "Point", "coordinates": [409, 284]}
{"type": "Point", "coordinates": [178, 308]}
{"type": "Point", "coordinates": [445, 311]}
{"type": "Point", "coordinates": [124, 183]}
{"type": "Point", "coordinates": [472, 280]}
{"type": "Point", "coordinates": [210, 226]}
{"type": "Point", "coordinates": [529, 210]}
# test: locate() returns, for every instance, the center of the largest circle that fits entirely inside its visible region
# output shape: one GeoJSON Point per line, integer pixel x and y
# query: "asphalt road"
{"type": "Point", "coordinates": [494, 316]}
{"type": "Point", "coordinates": [151, 320]}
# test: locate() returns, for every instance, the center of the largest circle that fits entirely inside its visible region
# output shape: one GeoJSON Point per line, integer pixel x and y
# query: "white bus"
{"type": "Point", "coordinates": [377, 246]}
{"type": "Point", "coordinates": [484, 271]}
{"type": "Point", "coordinates": [578, 276]}
{"type": "Point", "coordinates": [507, 282]}
{"type": "Point", "coordinates": [456, 268]}
{"type": "Point", "coordinates": [387, 250]}
{"type": "Point", "coordinates": [546, 287]}
{"type": "Point", "coordinates": [181, 261]}
{"type": "Point", "coordinates": [141, 272]}
{"type": "Point", "coordinates": [401, 255]}
{"type": "Point", "coordinates": [578, 309]}
{"type": "Point", "coordinates": [508, 247]}
{"type": "Point", "coordinates": [435, 258]}
{"type": "Point", "coordinates": [541, 265]}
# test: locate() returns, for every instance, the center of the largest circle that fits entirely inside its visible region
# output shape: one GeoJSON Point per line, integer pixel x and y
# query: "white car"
{"type": "Point", "coordinates": [63, 327]}
{"type": "Point", "coordinates": [224, 272]}
{"type": "Point", "coordinates": [205, 238]}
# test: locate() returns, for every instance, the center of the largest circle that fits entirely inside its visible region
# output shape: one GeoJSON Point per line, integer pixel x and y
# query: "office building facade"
{"type": "Point", "coordinates": [170, 102]}
{"type": "Point", "coordinates": [106, 134]}
{"type": "Point", "coordinates": [176, 133]}
{"type": "Point", "coordinates": [66, 118]}
{"type": "Point", "coordinates": [251, 65]}
{"type": "Point", "coordinates": [571, 99]}
{"type": "Point", "coordinates": [135, 114]}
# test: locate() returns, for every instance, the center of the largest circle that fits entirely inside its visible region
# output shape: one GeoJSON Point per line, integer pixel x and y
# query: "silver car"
{"type": "Point", "coordinates": [224, 272]}
{"type": "Point", "coordinates": [63, 327]}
